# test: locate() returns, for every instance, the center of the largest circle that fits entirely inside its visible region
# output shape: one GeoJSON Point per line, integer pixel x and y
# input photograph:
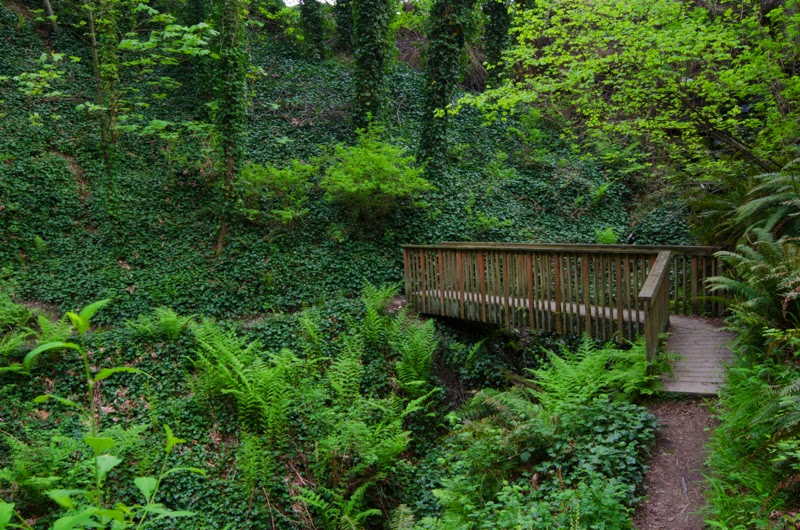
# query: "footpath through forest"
{"type": "Point", "coordinates": [674, 484]}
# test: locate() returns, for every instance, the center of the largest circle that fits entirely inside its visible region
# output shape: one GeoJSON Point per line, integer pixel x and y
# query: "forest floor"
{"type": "Point", "coordinates": [674, 483]}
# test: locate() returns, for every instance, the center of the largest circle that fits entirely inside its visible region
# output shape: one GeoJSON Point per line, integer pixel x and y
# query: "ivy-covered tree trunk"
{"type": "Point", "coordinates": [449, 21]}
{"type": "Point", "coordinates": [496, 36]}
{"type": "Point", "coordinates": [232, 101]}
{"type": "Point", "coordinates": [312, 27]}
{"type": "Point", "coordinates": [102, 19]}
{"type": "Point", "coordinates": [343, 15]}
{"type": "Point", "coordinates": [371, 20]}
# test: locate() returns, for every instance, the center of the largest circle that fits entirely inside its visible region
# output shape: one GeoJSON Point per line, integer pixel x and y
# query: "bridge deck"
{"type": "Point", "coordinates": [703, 347]}
{"type": "Point", "coordinates": [550, 306]}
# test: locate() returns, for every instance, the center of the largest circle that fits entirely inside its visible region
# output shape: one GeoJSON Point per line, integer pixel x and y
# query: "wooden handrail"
{"type": "Point", "coordinates": [658, 275]}
{"type": "Point", "coordinates": [575, 248]}
{"type": "Point", "coordinates": [655, 298]}
{"type": "Point", "coordinates": [689, 267]}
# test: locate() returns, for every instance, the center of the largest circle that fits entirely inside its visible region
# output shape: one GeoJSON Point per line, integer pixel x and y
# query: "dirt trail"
{"type": "Point", "coordinates": [674, 482]}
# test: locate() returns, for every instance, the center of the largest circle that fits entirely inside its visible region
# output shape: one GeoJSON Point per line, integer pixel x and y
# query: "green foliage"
{"type": "Point", "coordinates": [279, 195]}
{"type": "Point", "coordinates": [343, 16]}
{"type": "Point", "coordinates": [763, 277]}
{"type": "Point", "coordinates": [311, 24]}
{"type": "Point", "coordinates": [231, 104]}
{"type": "Point", "coordinates": [371, 20]}
{"type": "Point", "coordinates": [774, 201]}
{"type": "Point", "coordinates": [496, 36]}
{"type": "Point", "coordinates": [12, 314]}
{"type": "Point", "coordinates": [162, 323]}
{"type": "Point", "coordinates": [450, 21]}
{"type": "Point", "coordinates": [606, 236]}
{"type": "Point", "coordinates": [81, 487]}
{"type": "Point", "coordinates": [577, 377]}
{"type": "Point", "coordinates": [553, 452]}
{"type": "Point", "coordinates": [373, 178]}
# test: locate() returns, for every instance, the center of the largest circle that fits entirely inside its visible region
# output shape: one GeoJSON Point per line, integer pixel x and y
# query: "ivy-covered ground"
{"type": "Point", "coordinates": [366, 405]}
{"type": "Point", "coordinates": [145, 236]}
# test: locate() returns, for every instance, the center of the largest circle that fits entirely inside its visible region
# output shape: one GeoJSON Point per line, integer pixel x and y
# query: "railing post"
{"type": "Point", "coordinates": [655, 299]}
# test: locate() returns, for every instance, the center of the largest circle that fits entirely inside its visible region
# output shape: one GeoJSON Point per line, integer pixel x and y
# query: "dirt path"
{"type": "Point", "coordinates": [674, 482]}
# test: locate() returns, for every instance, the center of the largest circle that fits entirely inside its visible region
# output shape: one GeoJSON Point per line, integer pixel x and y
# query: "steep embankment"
{"type": "Point", "coordinates": [145, 235]}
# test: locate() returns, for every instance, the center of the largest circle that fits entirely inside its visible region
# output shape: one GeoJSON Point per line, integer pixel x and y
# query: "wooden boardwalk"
{"type": "Point", "coordinates": [609, 292]}
{"type": "Point", "coordinates": [703, 347]}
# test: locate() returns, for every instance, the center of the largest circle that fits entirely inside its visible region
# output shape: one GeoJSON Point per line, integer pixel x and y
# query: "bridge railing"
{"type": "Point", "coordinates": [655, 298]}
{"type": "Point", "coordinates": [689, 268]}
{"type": "Point", "coordinates": [574, 289]}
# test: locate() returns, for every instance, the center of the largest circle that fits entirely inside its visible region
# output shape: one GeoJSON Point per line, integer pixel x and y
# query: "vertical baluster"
{"type": "Point", "coordinates": [685, 288]}
{"type": "Point", "coordinates": [506, 279]}
{"type": "Point", "coordinates": [482, 284]}
{"type": "Point", "coordinates": [568, 272]}
{"type": "Point", "coordinates": [620, 305]}
{"type": "Point", "coordinates": [557, 293]}
{"type": "Point", "coordinates": [529, 273]}
{"type": "Point", "coordinates": [694, 286]}
{"type": "Point", "coordinates": [636, 289]}
{"type": "Point", "coordinates": [585, 273]}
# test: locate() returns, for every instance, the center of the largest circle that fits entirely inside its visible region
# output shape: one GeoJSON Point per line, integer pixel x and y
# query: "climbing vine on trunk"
{"type": "Point", "coordinates": [232, 103]}
{"type": "Point", "coordinates": [313, 29]}
{"type": "Point", "coordinates": [450, 22]}
{"type": "Point", "coordinates": [496, 36]}
{"type": "Point", "coordinates": [371, 31]}
{"type": "Point", "coordinates": [343, 16]}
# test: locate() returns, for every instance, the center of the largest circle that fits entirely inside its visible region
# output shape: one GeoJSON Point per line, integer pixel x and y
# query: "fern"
{"type": "Point", "coordinates": [162, 323]}
{"type": "Point", "coordinates": [775, 202]}
{"type": "Point", "coordinates": [402, 518]}
{"type": "Point", "coordinates": [764, 278]}
{"type": "Point", "coordinates": [579, 377]}
{"type": "Point", "coordinates": [414, 345]}
{"type": "Point", "coordinates": [263, 389]}
{"type": "Point", "coordinates": [339, 513]}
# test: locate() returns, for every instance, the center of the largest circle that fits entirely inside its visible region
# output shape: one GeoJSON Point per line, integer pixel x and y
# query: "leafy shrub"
{"type": "Point", "coordinates": [554, 452]}
{"type": "Point", "coordinates": [373, 178]}
{"type": "Point", "coordinates": [279, 195]}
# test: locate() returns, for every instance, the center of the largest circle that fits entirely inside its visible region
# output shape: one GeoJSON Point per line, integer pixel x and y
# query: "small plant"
{"type": "Point", "coordinates": [87, 508]}
{"type": "Point", "coordinates": [161, 323]}
{"type": "Point", "coordinates": [607, 236]}
{"type": "Point", "coordinates": [373, 178]}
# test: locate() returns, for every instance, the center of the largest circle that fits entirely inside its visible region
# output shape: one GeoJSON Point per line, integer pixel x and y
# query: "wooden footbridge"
{"type": "Point", "coordinates": [610, 292]}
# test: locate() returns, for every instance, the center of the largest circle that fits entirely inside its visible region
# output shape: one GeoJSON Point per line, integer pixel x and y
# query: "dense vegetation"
{"type": "Point", "coordinates": [198, 200]}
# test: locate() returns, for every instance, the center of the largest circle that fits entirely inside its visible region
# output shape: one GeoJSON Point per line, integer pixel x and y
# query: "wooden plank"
{"type": "Point", "coordinates": [687, 250]}
{"type": "Point", "coordinates": [529, 272]}
{"type": "Point", "coordinates": [585, 286]}
{"type": "Point", "coordinates": [694, 286]}
{"type": "Point", "coordinates": [557, 292]}
{"type": "Point", "coordinates": [482, 285]}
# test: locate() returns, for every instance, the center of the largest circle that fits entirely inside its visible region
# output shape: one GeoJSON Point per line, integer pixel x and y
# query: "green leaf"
{"type": "Point", "coordinates": [106, 463]}
{"type": "Point", "coordinates": [117, 515]}
{"type": "Point", "coordinates": [147, 485]}
{"type": "Point", "coordinates": [72, 521]}
{"type": "Point", "coordinates": [88, 312]}
{"type": "Point", "coordinates": [46, 397]}
{"type": "Point", "coordinates": [171, 440]}
{"type": "Point", "coordinates": [108, 372]}
{"type": "Point", "coordinates": [99, 445]}
{"type": "Point", "coordinates": [64, 497]}
{"type": "Point", "coordinates": [77, 322]}
{"type": "Point", "coordinates": [32, 355]}
{"type": "Point", "coordinates": [6, 513]}
{"type": "Point", "coordinates": [174, 470]}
